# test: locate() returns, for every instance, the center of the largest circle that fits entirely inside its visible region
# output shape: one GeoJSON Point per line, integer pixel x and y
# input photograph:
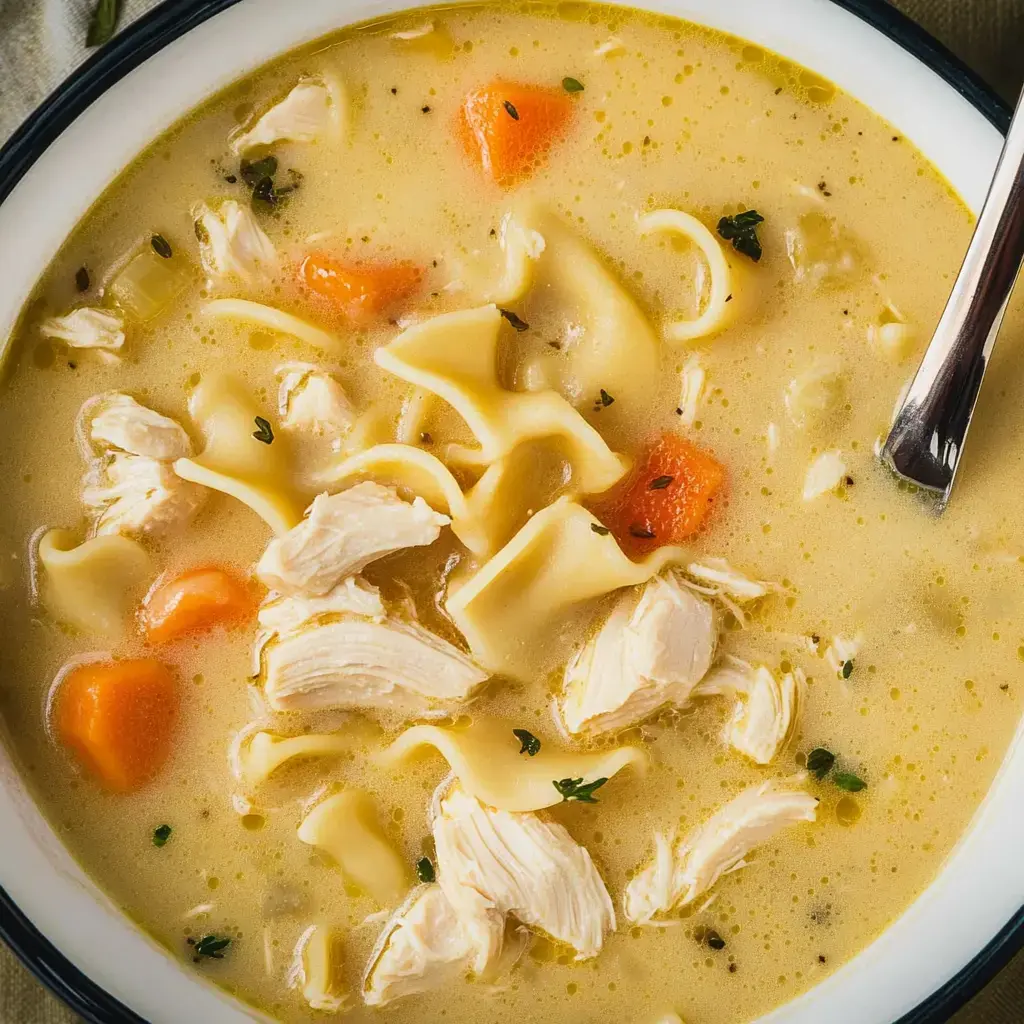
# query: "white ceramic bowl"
{"type": "Point", "coordinates": [955, 935]}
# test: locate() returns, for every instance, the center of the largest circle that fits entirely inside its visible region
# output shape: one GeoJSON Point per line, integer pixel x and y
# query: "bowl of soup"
{"type": "Point", "coordinates": [448, 569]}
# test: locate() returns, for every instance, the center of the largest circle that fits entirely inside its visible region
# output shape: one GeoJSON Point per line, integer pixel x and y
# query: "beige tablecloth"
{"type": "Point", "coordinates": [41, 40]}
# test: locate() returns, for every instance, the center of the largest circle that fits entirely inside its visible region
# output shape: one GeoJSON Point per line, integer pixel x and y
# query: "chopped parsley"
{"type": "Point", "coordinates": [529, 744]}
{"type": "Point", "coordinates": [601, 531]}
{"type": "Point", "coordinates": [263, 431]}
{"type": "Point", "coordinates": [161, 246]}
{"type": "Point", "coordinates": [577, 789]}
{"type": "Point", "coordinates": [605, 398]}
{"type": "Point", "coordinates": [848, 781]}
{"type": "Point", "coordinates": [847, 670]}
{"type": "Point", "coordinates": [572, 85]}
{"type": "Point", "coordinates": [820, 762]}
{"type": "Point", "coordinates": [425, 109]}
{"type": "Point", "coordinates": [209, 946]}
{"type": "Point", "coordinates": [103, 22]}
{"type": "Point", "coordinates": [741, 230]}
{"type": "Point", "coordinates": [511, 110]}
{"type": "Point", "coordinates": [259, 176]}
{"type": "Point", "coordinates": [659, 483]}
{"type": "Point", "coordinates": [425, 870]}
{"type": "Point", "coordinates": [82, 279]}
{"type": "Point", "coordinates": [161, 834]}
{"type": "Point", "coordinates": [254, 171]}
{"type": "Point", "coordinates": [714, 940]}
{"type": "Point", "coordinates": [515, 321]}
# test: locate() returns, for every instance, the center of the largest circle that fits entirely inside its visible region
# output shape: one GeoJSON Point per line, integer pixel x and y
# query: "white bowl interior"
{"type": "Point", "coordinates": [915, 956]}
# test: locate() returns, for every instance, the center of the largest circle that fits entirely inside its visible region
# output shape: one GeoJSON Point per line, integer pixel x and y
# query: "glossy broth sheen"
{"type": "Point", "coordinates": [686, 118]}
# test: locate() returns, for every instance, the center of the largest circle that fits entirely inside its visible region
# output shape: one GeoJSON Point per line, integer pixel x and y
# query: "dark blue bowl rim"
{"type": "Point", "coordinates": [155, 30]}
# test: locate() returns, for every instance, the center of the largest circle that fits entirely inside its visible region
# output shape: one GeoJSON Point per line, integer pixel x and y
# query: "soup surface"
{"type": "Point", "coordinates": [473, 182]}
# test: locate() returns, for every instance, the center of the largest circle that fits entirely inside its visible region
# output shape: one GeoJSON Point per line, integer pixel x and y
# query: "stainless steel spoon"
{"type": "Point", "coordinates": [927, 437]}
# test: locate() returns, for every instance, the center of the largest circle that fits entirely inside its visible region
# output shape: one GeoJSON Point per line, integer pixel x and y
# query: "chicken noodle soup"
{"type": "Point", "coordinates": [482, 598]}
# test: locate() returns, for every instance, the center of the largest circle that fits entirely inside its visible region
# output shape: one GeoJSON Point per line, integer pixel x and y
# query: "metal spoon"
{"type": "Point", "coordinates": [927, 437]}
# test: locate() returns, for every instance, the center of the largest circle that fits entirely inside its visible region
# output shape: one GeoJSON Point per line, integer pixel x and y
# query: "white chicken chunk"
{"type": "Point", "coordinates": [232, 244]}
{"type": "Point", "coordinates": [684, 870]}
{"type": "Point", "coordinates": [357, 663]}
{"type": "Point", "coordinates": [426, 945]}
{"type": "Point", "coordinates": [355, 596]}
{"type": "Point", "coordinates": [312, 401]}
{"type": "Point", "coordinates": [520, 864]}
{"type": "Point", "coordinates": [766, 708]}
{"type": "Point", "coordinates": [344, 532]}
{"type": "Point", "coordinates": [118, 421]}
{"type": "Point", "coordinates": [841, 652]}
{"type": "Point", "coordinates": [136, 495]}
{"type": "Point", "coordinates": [824, 474]}
{"type": "Point", "coordinates": [86, 327]}
{"type": "Point", "coordinates": [310, 111]}
{"type": "Point", "coordinates": [649, 653]}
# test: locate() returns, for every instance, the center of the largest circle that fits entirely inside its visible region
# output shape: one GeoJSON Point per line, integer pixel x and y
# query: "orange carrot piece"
{"type": "Point", "coordinates": [508, 128]}
{"type": "Point", "coordinates": [118, 717]}
{"type": "Point", "coordinates": [360, 291]}
{"type": "Point", "coordinates": [667, 498]}
{"type": "Point", "coordinates": [194, 602]}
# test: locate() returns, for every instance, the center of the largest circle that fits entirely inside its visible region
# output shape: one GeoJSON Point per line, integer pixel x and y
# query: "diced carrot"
{"type": "Point", "coordinates": [360, 291]}
{"type": "Point", "coordinates": [118, 717]}
{"type": "Point", "coordinates": [194, 602]}
{"type": "Point", "coordinates": [508, 128]}
{"type": "Point", "coordinates": [667, 498]}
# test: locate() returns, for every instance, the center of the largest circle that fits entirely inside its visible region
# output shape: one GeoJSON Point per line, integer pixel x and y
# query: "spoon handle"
{"type": "Point", "coordinates": [927, 436]}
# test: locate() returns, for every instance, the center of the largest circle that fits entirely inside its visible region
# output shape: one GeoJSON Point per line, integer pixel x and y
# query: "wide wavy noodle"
{"type": "Point", "coordinates": [455, 356]}
{"type": "Point", "coordinates": [95, 585]}
{"type": "Point", "coordinates": [273, 319]}
{"type": "Point", "coordinates": [234, 461]}
{"type": "Point", "coordinates": [714, 317]}
{"type": "Point", "coordinates": [521, 600]}
{"type": "Point", "coordinates": [486, 759]}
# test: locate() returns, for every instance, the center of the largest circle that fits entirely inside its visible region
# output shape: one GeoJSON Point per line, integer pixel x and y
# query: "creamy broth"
{"type": "Point", "coordinates": [669, 116]}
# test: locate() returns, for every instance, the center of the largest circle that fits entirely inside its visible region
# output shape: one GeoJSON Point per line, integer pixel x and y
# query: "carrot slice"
{"type": "Point", "coordinates": [667, 498]}
{"type": "Point", "coordinates": [194, 602]}
{"type": "Point", "coordinates": [360, 291]}
{"type": "Point", "coordinates": [118, 717]}
{"type": "Point", "coordinates": [508, 128]}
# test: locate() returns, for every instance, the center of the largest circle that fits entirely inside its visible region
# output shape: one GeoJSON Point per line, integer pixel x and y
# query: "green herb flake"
{"type": "Point", "coordinates": [577, 789]}
{"type": "Point", "coordinates": [529, 744]}
{"type": "Point", "coordinates": [519, 324]}
{"type": "Point", "coordinates": [848, 781]}
{"type": "Point", "coordinates": [847, 670]}
{"type": "Point", "coordinates": [161, 834]}
{"type": "Point", "coordinates": [820, 762]}
{"type": "Point", "coordinates": [82, 279]}
{"type": "Point", "coordinates": [642, 532]}
{"type": "Point", "coordinates": [511, 111]}
{"type": "Point", "coordinates": [572, 85]}
{"type": "Point", "coordinates": [209, 946]}
{"type": "Point", "coordinates": [425, 870]}
{"type": "Point", "coordinates": [714, 940]}
{"type": "Point", "coordinates": [103, 22]}
{"type": "Point", "coordinates": [659, 483]}
{"type": "Point", "coordinates": [161, 246]}
{"type": "Point", "coordinates": [254, 171]}
{"type": "Point", "coordinates": [601, 531]}
{"type": "Point", "coordinates": [606, 399]}
{"type": "Point", "coordinates": [263, 431]}
{"type": "Point", "coordinates": [741, 230]}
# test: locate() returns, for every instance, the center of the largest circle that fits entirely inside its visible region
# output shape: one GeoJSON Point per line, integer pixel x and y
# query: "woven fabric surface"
{"type": "Point", "coordinates": [41, 41]}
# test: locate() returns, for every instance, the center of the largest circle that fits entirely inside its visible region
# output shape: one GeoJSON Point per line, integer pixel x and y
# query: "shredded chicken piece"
{"type": "Point", "coordinates": [344, 532]}
{"type": "Point", "coordinates": [649, 653]}
{"type": "Point", "coordinates": [723, 578]}
{"type": "Point", "coordinates": [280, 614]}
{"type": "Point", "coordinates": [86, 327]}
{"type": "Point", "coordinates": [766, 709]}
{"type": "Point", "coordinates": [310, 111]}
{"type": "Point", "coordinates": [311, 401]}
{"type": "Point", "coordinates": [232, 244]}
{"type": "Point", "coordinates": [841, 651]}
{"type": "Point", "coordinates": [118, 421]}
{"type": "Point", "coordinates": [684, 870]}
{"type": "Point", "coordinates": [356, 662]}
{"type": "Point", "coordinates": [427, 945]}
{"type": "Point", "coordinates": [692, 380]}
{"type": "Point", "coordinates": [135, 495]}
{"type": "Point", "coordinates": [520, 864]}
{"type": "Point", "coordinates": [824, 474]}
